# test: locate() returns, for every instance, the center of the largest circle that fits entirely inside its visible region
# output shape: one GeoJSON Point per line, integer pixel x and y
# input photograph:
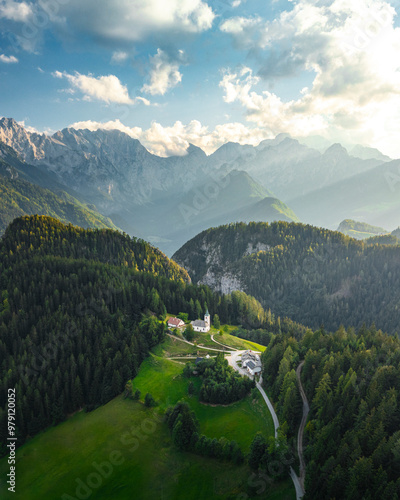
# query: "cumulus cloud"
{"type": "Point", "coordinates": [164, 74]}
{"type": "Point", "coordinates": [175, 139]}
{"type": "Point", "coordinates": [29, 128]}
{"type": "Point", "coordinates": [119, 56]}
{"type": "Point", "coordinates": [15, 11]}
{"type": "Point", "coordinates": [134, 20]}
{"type": "Point", "coordinates": [348, 49]}
{"type": "Point", "coordinates": [8, 59]}
{"type": "Point", "coordinates": [103, 88]}
{"type": "Point", "coordinates": [245, 30]}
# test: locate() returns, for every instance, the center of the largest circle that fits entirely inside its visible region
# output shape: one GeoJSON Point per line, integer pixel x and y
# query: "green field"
{"type": "Point", "coordinates": [239, 421]}
{"type": "Point", "coordinates": [142, 463]}
{"type": "Point", "coordinates": [174, 347]}
{"type": "Point", "coordinates": [232, 341]}
{"type": "Point", "coordinates": [204, 339]}
{"type": "Point", "coordinates": [147, 466]}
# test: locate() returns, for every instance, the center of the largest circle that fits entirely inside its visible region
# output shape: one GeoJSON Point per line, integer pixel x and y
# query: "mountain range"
{"type": "Point", "coordinates": [169, 200]}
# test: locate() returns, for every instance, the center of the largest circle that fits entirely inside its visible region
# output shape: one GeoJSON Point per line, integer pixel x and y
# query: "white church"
{"type": "Point", "coordinates": [200, 325]}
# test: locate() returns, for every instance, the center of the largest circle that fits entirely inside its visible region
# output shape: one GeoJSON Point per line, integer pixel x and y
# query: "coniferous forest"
{"type": "Point", "coordinates": [309, 274]}
{"type": "Point", "coordinates": [80, 310]}
{"type": "Point", "coordinates": [352, 380]}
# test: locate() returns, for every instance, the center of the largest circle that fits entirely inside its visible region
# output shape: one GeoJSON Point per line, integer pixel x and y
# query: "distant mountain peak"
{"type": "Point", "coordinates": [336, 149]}
{"type": "Point", "coordinates": [367, 153]}
{"type": "Point", "coordinates": [195, 150]}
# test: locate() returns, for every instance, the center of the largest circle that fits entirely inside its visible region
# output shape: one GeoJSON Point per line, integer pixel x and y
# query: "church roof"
{"type": "Point", "coordinates": [199, 322]}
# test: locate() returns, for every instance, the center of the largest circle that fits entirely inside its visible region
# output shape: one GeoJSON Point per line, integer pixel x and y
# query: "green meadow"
{"type": "Point", "coordinates": [239, 421]}
{"type": "Point", "coordinates": [123, 450]}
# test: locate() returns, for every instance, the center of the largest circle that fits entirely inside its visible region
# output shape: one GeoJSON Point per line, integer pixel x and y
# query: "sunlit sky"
{"type": "Point", "coordinates": [175, 72]}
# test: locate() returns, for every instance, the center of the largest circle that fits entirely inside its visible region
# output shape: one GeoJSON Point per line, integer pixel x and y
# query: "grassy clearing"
{"type": "Point", "coordinates": [143, 463]}
{"type": "Point", "coordinates": [239, 421]}
{"type": "Point", "coordinates": [204, 339]}
{"type": "Point", "coordinates": [238, 343]}
{"type": "Point", "coordinates": [175, 347]}
{"type": "Point", "coordinates": [148, 465]}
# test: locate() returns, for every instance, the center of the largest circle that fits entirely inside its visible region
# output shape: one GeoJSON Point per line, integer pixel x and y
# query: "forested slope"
{"type": "Point", "coordinates": [27, 190]}
{"type": "Point", "coordinates": [312, 275]}
{"type": "Point", "coordinates": [79, 311]}
{"type": "Point", "coordinates": [352, 381]}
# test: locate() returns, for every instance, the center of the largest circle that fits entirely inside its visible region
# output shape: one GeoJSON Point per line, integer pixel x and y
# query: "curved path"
{"type": "Point", "coordinates": [306, 409]}
{"type": "Point", "coordinates": [223, 345]}
{"type": "Point", "coordinates": [232, 360]}
{"type": "Point", "coordinates": [195, 345]}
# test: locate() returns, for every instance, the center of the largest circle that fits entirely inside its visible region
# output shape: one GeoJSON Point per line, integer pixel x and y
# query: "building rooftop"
{"type": "Point", "coordinates": [174, 321]}
{"type": "Point", "coordinates": [199, 322]}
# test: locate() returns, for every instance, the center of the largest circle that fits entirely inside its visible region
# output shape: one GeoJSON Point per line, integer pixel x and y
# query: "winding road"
{"type": "Point", "coordinates": [232, 358]}
{"type": "Point", "coordinates": [306, 409]}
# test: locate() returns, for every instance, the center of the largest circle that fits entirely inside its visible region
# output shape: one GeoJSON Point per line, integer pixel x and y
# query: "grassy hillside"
{"type": "Point", "coordinates": [149, 467]}
{"type": "Point", "coordinates": [360, 230]}
{"type": "Point", "coordinates": [19, 197]}
{"type": "Point", "coordinates": [239, 421]}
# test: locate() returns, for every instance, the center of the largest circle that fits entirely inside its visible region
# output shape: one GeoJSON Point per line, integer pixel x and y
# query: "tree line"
{"type": "Point", "coordinates": [184, 428]}
{"type": "Point", "coordinates": [79, 311]}
{"type": "Point", "coordinates": [220, 383]}
{"type": "Point", "coordinates": [352, 381]}
{"type": "Point", "coordinates": [312, 275]}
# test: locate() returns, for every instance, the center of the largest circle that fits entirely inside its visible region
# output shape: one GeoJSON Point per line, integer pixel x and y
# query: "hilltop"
{"type": "Point", "coordinates": [312, 275]}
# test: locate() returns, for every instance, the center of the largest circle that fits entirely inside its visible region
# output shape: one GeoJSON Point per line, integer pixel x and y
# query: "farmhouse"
{"type": "Point", "coordinates": [200, 325]}
{"type": "Point", "coordinates": [252, 362]}
{"type": "Point", "coordinates": [175, 323]}
{"type": "Point", "coordinates": [251, 356]}
{"type": "Point", "coordinates": [252, 368]}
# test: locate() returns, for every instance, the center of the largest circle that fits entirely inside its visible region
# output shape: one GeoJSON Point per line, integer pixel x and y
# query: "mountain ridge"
{"type": "Point", "coordinates": [312, 275]}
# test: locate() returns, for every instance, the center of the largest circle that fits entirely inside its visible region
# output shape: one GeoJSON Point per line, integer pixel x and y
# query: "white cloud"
{"type": "Point", "coordinates": [29, 128]}
{"type": "Point", "coordinates": [245, 30]}
{"type": "Point", "coordinates": [349, 50]}
{"type": "Point", "coordinates": [119, 57]}
{"type": "Point", "coordinates": [15, 11]}
{"type": "Point", "coordinates": [164, 74]}
{"type": "Point", "coordinates": [174, 140]}
{"type": "Point", "coordinates": [8, 59]}
{"type": "Point", "coordinates": [134, 20]}
{"type": "Point", "coordinates": [104, 88]}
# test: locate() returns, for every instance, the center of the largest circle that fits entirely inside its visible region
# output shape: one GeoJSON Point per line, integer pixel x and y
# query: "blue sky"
{"type": "Point", "coordinates": [176, 72]}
